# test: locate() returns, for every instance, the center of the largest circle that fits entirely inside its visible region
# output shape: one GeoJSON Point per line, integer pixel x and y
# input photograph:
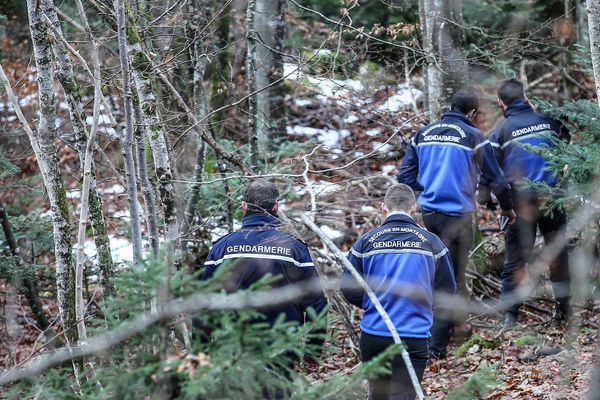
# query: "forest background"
{"type": "Point", "coordinates": [129, 128]}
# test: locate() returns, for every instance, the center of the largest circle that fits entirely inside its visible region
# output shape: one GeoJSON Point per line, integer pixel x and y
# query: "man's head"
{"type": "Point", "coordinates": [509, 91]}
{"type": "Point", "coordinates": [399, 197]}
{"type": "Point", "coordinates": [465, 102]}
{"type": "Point", "coordinates": [261, 196]}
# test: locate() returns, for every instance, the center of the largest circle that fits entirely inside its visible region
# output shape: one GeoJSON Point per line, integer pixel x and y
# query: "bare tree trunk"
{"type": "Point", "coordinates": [146, 93]}
{"type": "Point", "coordinates": [145, 185]}
{"type": "Point", "coordinates": [593, 11]}
{"type": "Point", "coordinates": [277, 95]}
{"type": "Point", "coordinates": [134, 211]}
{"type": "Point", "coordinates": [443, 40]}
{"type": "Point", "coordinates": [66, 76]}
{"type": "Point", "coordinates": [251, 72]}
{"type": "Point", "coordinates": [583, 34]}
{"type": "Point", "coordinates": [265, 24]}
{"type": "Point", "coordinates": [199, 14]}
{"type": "Point", "coordinates": [53, 182]}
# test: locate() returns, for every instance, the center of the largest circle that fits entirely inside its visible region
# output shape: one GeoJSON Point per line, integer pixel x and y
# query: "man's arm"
{"type": "Point", "coordinates": [409, 170]}
{"type": "Point", "coordinates": [445, 281]}
{"type": "Point", "coordinates": [352, 291]}
{"type": "Point", "coordinates": [493, 177]}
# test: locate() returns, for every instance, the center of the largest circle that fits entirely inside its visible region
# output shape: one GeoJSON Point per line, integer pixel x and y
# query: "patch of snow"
{"type": "Point", "coordinates": [122, 214]}
{"type": "Point", "coordinates": [321, 188]}
{"type": "Point", "coordinates": [386, 169]}
{"type": "Point", "coordinates": [321, 52]}
{"type": "Point", "coordinates": [302, 102]}
{"type": "Point", "coordinates": [403, 98]}
{"type": "Point", "coordinates": [329, 137]}
{"type": "Point", "coordinates": [373, 132]}
{"type": "Point", "coordinates": [330, 232]}
{"type": "Point", "coordinates": [46, 214]}
{"type": "Point", "coordinates": [352, 118]}
{"type": "Point", "coordinates": [382, 147]}
{"type": "Point", "coordinates": [335, 87]}
{"type": "Point", "coordinates": [28, 99]}
{"type": "Point", "coordinates": [333, 137]}
{"type": "Point", "coordinates": [121, 249]}
{"type": "Point", "coordinates": [292, 72]}
{"type": "Point", "coordinates": [368, 209]}
{"type": "Point", "coordinates": [74, 194]}
{"type": "Point", "coordinates": [114, 189]}
{"type": "Point", "coordinates": [103, 119]}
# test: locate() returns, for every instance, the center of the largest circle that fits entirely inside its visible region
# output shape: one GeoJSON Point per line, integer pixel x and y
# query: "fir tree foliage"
{"type": "Point", "coordinates": [233, 355]}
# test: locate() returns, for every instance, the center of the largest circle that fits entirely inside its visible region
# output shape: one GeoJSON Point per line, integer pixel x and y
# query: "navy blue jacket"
{"type": "Point", "coordinates": [444, 162]}
{"type": "Point", "coordinates": [260, 248]}
{"type": "Point", "coordinates": [524, 126]}
{"type": "Point", "coordinates": [403, 264]}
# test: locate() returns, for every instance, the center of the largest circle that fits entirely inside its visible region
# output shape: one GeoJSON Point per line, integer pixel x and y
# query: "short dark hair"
{"type": "Point", "coordinates": [399, 197]}
{"type": "Point", "coordinates": [511, 90]}
{"type": "Point", "coordinates": [464, 101]}
{"type": "Point", "coordinates": [261, 195]}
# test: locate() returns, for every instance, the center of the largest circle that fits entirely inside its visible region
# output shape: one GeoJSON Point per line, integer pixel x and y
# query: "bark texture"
{"type": "Point", "coordinates": [593, 11]}
{"type": "Point", "coordinates": [146, 93]}
{"type": "Point", "coordinates": [251, 78]}
{"type": "Point", "coordinates": [48, 162]}
{"type": "Point", "coordinates": [134, 211]}
{"type": "Point", "coordinates": [443, 40]}
{"type": "Point", "coordinates": [66, 77]}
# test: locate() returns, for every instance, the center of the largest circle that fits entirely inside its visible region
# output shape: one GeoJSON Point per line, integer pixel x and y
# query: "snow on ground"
{"type": "Point", "coordinates": [114, 189]}
{"type": "Point", "coordinates": [329, 137]}
{"type": "Point", "coordinates": [404, 97]}
{"type": "Point", "coordinates": [330, 232]}
{"type": "Point", "coordinates": [321, 188]}
{"type": "Point", "coordinates": [121, 249]}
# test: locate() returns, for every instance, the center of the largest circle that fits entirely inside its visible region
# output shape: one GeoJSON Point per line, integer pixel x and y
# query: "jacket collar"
{"type": "Point", "coordinates": [260, 219]}
{"type": "Point", "coordinates": [399, 216]}
{"type": "Point", "coordinates": [517, 107]}
{"type": "Point", "coordinates": [456, 117]}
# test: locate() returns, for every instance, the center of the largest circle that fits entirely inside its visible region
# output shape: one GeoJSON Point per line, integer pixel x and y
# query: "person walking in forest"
{"type": "Point", "coordinates": [524, 166]}
{"type": "Point", "coordinates": [403, 264]}
{"type": "Point", "coordinates": [444, 162]}
{"type": "Point", "coordinates": [262, 248]}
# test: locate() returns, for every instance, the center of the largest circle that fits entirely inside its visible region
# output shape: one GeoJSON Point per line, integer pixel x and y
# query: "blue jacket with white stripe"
{"type": "Point", "coordinates": [260, 248]}
{"type": "Point", "coordinates": [403, 264]}
{"type": "Point", "coordinates": [444, 162]}
{"type": "Point", "coordinates": [524, 126]}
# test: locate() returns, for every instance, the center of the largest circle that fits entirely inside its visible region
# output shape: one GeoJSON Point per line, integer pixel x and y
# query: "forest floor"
{"type": "Point", "coordinates": [362, 139]}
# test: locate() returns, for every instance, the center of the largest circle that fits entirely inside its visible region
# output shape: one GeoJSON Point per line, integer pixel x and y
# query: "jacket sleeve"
{"type": "Point", "coordinates": [308, 272]}
{"type": "Point", "coordinates": [492, 175]}
{"type": "Point", "coordinates": [352, 291]}
{"type": "Point", "coordinates": [409, 170]}
{"type": "Point", "coordinates": [210, 264]}
{"type": "Point", "coordinates": [445, 280]}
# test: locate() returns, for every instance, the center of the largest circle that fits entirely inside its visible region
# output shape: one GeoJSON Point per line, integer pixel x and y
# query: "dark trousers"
{"type": "Point", "coordinates": [397, 385]}
{"type": "Point", "coordinates": [519, 242]}
{"type": "Point", "coordinates": [457, 234]}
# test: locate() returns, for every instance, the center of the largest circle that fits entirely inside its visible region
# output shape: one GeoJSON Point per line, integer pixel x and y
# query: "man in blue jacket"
{"type": "Point", "coordinates": [515, 141]}
{"type": "Point", "coordinates": [444, 162]}
{"type": "Point", "coordinates": [261, 247]}
{"type": "Point", "coordinates": [403, 264]}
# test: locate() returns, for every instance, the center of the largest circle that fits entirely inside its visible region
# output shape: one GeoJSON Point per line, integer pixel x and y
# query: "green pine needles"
{"type": "Point", "coordinates": [232, 356]}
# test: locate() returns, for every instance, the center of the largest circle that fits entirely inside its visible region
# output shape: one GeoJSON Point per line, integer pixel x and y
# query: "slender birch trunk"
{"type": "Point", "coordinates": [198, 13]}
{"type": "Point", "coordinates": [593, 11]}
{"type": "Point", "coordinates": [583, 34]}
{"type": "Point", "coordinates": [145, 185]}
{"type": "Point", "coordinates": [253, 117]}
{"type": "Point", "coordinates": [443, 40]}
{"type": "Point", "coordinates": [146, 93]}
{"type": "Point", "coordinates": [276, 92]}
{"type": "Point", "coordinates": [134, 211]}
{"type": "Point", "coordinates": [53, 182]}
{"type": "Point", "coordinates": [66, 77]}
